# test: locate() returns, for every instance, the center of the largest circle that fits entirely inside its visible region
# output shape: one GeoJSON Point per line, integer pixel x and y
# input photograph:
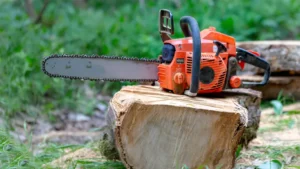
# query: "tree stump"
{"type": "Point", "coordinates": [154, 129]}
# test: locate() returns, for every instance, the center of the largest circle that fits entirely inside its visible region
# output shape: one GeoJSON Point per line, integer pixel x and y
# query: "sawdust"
{"type": "Point", "coordinates": [86, 154]}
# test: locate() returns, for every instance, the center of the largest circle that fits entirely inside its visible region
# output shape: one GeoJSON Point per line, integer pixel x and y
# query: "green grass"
{"type": "Point", "coordinates": [97, 165]}
{"type": "Point", "coordinates": [285, 154]}
{"type": "Point", "coordinates": [279, 125]}
{"type": "Point", "coordinates": [14, 154]}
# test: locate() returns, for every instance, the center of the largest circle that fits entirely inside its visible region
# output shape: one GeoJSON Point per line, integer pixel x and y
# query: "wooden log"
{"type": "Point", "coordinates": [154, 129]}
{"type": "Point", "coordinates": [283, 56]}
{"type": "Point", "coordinates": [289, 85]}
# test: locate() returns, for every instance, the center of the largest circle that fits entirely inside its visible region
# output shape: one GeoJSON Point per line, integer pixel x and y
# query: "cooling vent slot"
{"type": "Point", "coordinates": [220, 81]}
{"type": "Point", "coordinates": [217, 64]}
{"type": "Point", "coordinates": [189, 64]}
{"type": "Point", "coordinates": [204, 58]}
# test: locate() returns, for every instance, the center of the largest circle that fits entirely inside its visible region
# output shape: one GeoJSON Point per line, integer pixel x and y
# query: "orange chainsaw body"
{"type": "Point", "coordinates": [176, 76]}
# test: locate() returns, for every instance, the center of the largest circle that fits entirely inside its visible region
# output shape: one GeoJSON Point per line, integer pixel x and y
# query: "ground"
{"type": "Point", "coordinates": [278, 137]}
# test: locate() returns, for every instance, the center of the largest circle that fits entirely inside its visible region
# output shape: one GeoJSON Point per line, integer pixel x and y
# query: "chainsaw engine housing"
{"type": "Point", "coordinates": [175, 71]}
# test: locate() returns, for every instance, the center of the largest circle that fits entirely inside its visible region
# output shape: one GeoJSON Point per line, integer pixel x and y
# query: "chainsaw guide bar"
{"type": "Point", "coordinates": [96, 68]}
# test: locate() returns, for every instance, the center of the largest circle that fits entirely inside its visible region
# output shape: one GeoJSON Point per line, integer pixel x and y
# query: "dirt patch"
{"type": "Point", "coordinates": [69, 127]}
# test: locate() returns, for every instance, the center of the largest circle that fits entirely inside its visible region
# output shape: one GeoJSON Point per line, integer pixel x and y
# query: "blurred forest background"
{"type": "Point", "coordinates": [33, 29]}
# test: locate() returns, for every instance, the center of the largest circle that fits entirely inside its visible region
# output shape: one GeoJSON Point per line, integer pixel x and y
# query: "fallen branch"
{"type": "Point", "coordinates": [41, 13]}
{"type": "Point", "coordinates": [63, 134]}
{"type": "Point", "coordinates": [31, 11]}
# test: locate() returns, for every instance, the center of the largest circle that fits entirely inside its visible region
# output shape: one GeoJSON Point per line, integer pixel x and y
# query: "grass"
{"type": "Point", "coordinates": [96, 165]}
{"type": "Point", "coordinates": [287, 155]}
{"type": "Point", "coordinates": [279, 125]}
{"type": "Point", "coordinates": [14, 154]}
{"type": "Point", "coordinates": [284, 152]}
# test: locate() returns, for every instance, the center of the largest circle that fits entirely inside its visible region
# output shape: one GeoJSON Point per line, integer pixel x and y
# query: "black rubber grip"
{"type": "Point", "coordinates": [187, 22]}
{"type": "Point", "coordinates": [250, 58]}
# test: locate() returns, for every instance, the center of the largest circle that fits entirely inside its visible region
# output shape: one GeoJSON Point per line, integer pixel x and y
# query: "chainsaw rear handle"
{"type": "Point", "coordinates": [248, 57]}
{"type": "Point", "coordinates": [187, 22]}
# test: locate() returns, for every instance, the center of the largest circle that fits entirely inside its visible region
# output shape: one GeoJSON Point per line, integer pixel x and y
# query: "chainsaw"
{"type": "Point", "coordinates": [201, 62]}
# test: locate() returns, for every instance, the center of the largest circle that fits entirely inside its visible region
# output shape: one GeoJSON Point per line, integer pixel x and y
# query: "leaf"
{"type": "Point", "coordinates": [279, 97]}
{"type": "Point", "coordinates": [185, 167]}
{"type": "Point", "coordinates": [203, 167]}
{"type": "Point", "coordinates": [291, 123]}
{"type": "Point", "coordinates": [219, 166]}
{"type": "Point", "coordinates": [293, 166]}
{"type": "Point", "coordinates": [278, 107]}
{"type": "Point", "coordinates": [273, 164]}
{"type": "Point", "coordinates": [228, 24]}
{"type": "Point", "coordinates": [238, 151]}
{"type": "Point", "coordinates": [293, 112]}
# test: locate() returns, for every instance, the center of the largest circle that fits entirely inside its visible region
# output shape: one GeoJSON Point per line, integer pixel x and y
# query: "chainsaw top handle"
{"type": "Point", "coordinates": [251, 58]}
{"type": "Point", "coordinates": [187, 22]}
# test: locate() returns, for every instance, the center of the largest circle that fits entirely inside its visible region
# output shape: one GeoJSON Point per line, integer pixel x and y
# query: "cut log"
{"type": "Point", "coordinates": [289, 85]}
{"type": "Point", "coordinates": [283, 56]}
{"type": "Point", "coordinates": [154, 129]}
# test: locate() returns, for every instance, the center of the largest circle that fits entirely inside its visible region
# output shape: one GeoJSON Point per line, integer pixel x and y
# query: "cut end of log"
{"type": "Point", "coordinates": [155, 129]}
{"type": "Point", "coordinates": [153, 95]}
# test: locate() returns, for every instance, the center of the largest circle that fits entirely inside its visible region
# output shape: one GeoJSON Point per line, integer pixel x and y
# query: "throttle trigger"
{"type": "Point", "coordinates": [241, 64]}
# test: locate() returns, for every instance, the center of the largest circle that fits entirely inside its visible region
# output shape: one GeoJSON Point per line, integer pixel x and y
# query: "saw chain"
{"type": "Point", "coordinates": [98, 57]}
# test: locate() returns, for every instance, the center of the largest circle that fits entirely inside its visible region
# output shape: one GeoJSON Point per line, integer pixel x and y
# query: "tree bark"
{"type": "Point", "coordinates": [30, 9]}
{"type": "Point", "coordinates": [80, 3]}
{"type": "Point", "coordinates": [154, 129]}
{"type": "Point", "coordinates": [283, 56]}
